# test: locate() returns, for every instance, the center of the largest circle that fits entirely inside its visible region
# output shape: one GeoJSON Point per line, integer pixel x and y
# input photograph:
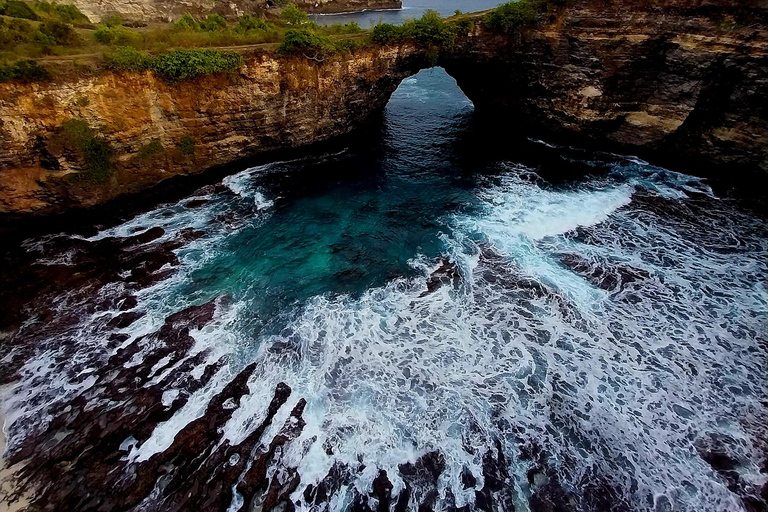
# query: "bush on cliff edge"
{"type": "Point", "coordinates": [175, 66]}
{"type": "Point", "coordinates": [24, 71]}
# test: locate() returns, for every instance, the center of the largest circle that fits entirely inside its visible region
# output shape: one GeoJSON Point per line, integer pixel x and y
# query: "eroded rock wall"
{"type": "Point", "coordinates": [272, 103]}
{"type": "Point", "coordinates": [682, 82]}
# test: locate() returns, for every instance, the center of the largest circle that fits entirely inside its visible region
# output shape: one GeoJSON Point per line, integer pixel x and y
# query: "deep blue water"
{"type": "Point", "coordinates": [608, 311]}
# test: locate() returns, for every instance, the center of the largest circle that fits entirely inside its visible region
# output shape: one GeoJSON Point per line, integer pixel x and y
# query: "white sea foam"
{"type": "Point", "coordinates": [391, 375]}
{"type": "Point", "coordinates": [617, 386]}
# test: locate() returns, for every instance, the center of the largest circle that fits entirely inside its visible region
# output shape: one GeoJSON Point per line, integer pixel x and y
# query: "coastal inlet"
{"type": "Point", "coordinates": [436, 320]}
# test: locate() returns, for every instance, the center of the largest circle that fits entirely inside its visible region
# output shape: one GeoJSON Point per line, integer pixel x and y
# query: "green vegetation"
{"type": "Point", "coordinates": [76, 137]}
{"type": "Point", "coordinates": [248, 23]}
{"type": "Point", "coordinates": [32, 30]}
{"type": "Point", "coordinates": [113, 21]}
{"type": "Point", "coordinates": [17, 9]}
{"type": "Point", "coordinates": [191, 47]}
{"type": "Point", "coordinates": [187, 145]}
{"type": "Point", "coordinates": [175, 66]}
{"type": "Point", "coordinates": [511, 17]}
{"type": "Point", "coordinates": [14, 32]}
{"type": "Point", "coordinates": [188, 64]}
{"type": "Point", "coordinates": [67, 13]}
{"type": "Point", "coordinates": [347, 28]}
{"type": "Point", "coordinates": [126, 58]}
{"type": "Point", "coordinates": [150, 150]}
{"type": "Point", "coordinates": [52, 32]}
{"type": "Point", "coordinates": [515, 16]}
{"type": "Point", "coordinates": [36, 11]}
{"type": "Point", "coordinates": [302, 41]}
{"type": "Point", "coordinates": [293, 16]}
{"type": "Point", "coordinates": [430, 32]}
{"type": "Point", "coordinates": [24, 71]}
{"type": "Point", "coordinates": [114, 35]}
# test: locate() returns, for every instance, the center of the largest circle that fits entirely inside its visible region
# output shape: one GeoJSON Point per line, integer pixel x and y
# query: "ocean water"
{"type": "Point", "coordinates": [411, 9]}
{"type": "Point", "coordinates": [599, 320]}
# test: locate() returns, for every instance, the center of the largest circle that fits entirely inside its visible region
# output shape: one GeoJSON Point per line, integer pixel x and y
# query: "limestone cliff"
{"type": "Point", "coordinates": [170, 10]}
{"type": "Point", "coordinates": [679, 81]}
{"type": "Point", "coordinates": [676, 81]}
{"type": "Point", "coordinates": [272, 102]}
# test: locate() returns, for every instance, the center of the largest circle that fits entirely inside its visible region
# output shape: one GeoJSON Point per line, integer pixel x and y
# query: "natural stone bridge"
{"type": "Point", "coordinates": [676, 81]}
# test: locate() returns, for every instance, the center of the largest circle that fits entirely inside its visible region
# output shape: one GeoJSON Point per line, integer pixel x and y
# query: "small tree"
{"type": "Point", "coordinates": [213, 23]}
{"type": "Point", "coordinates": [187, 22]}
{"type": "Point", "coordinates": [294, 16]}
{"type": "Point", "coordinates": [247, 23]}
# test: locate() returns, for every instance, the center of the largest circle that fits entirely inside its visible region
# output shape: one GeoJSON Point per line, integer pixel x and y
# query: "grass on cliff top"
{"type": "Point", "coordinates": [192, 47]}
{"type": "Point", "coordinates": [175, 66]}
{"type": "Point", "coordinates": [53, 34]}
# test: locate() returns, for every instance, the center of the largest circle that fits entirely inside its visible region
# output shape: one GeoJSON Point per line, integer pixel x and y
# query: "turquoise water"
{"type": "Point", "coordinates": [607, 311]}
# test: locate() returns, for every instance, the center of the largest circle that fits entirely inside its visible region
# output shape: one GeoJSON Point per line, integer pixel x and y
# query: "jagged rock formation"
{"type": "Point", "coordinates": [675, 81]}
{"type": "Point", "coordinates": [682, 82]}
{"type": "Point", "coordinates": [170, 10]}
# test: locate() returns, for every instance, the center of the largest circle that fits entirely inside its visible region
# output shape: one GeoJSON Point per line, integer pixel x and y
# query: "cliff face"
{"type": "Point", "coordinates": [675, 82]}
{"type": "Point", "coordinates": [679, 81]}
{"type": "Point", "coordinates": [163, 10]}
{"type": "Point", "coordinates": [331, 6]}
{"type": "Point", "coordinates": [273, 102]}
{"type": "Point", "coordinates": [170, 10]}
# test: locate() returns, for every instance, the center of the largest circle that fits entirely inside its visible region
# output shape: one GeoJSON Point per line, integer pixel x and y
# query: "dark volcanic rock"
{"type": "Point", "coordinates": [446, 273]}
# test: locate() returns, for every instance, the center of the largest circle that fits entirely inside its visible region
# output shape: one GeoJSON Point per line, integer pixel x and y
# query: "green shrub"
{"type": "Point", "coordinates": [188, 64]}
{"type": "Point", "coordinates": [248, 23]}
{"type": "Point", "coordinates": [386, 33]}
{"type": "Point", "coordinates": [17, 9]}
{"type": "Point", "coordinates": [126, 58]}
{"type": "Point", "coordinates": [305, 41]}
{"type": "Point", "coordinates": [118, 35]}
{"type": "Point", "coordinates": [173, 66]}
{"type": "Point", "coordinates": [347, 45]}
{"type": "Point", "coordinates": [213, 23]}
{"type": "Point", "coordinates": [104, 35]}
{"type": "Point", "coordinates": [187, 145]}
{"type": "Point", "coordinates": [338, 28]}
{"type": "Point", "coordinates": [187, 22]}
{"type": "Point", "coordinates": [430, 32]}
{"type": "Point", "coordinates": [69, 13]}
{"type": "Point", "coordinates": [511, 17]}
{"type": "Point", "coordinates": [294, 16]}
{"type": "Point", "coordinates": [13, 32]}
{"type": "Point", "coordinates": [150, 149]}
{"type": "Point", "coordinates": [24, 71]}
{"type": "Point", "coordinates": [44, 7]}
{"type": "Point", "coordinates": [463, 26]}
{"type": "Point", "coordinates": [59, 33]}
{"type": "Point", "coordinates": [113, 21]}
{"type": "Point", "coordinates": [92, 149]}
